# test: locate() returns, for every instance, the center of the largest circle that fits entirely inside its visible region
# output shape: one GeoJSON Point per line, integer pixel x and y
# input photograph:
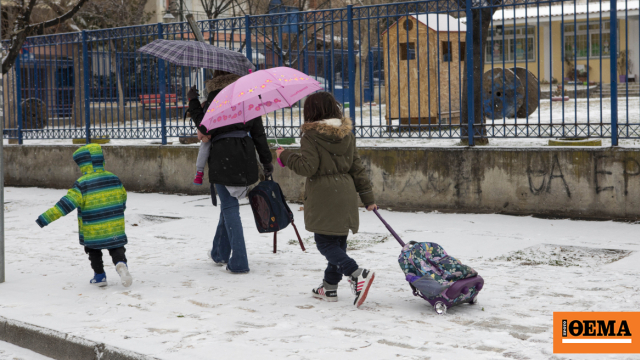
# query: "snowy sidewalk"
{"type": "Point", "coordinates": [181, 306]}
{"type": "Point", "coordinates": [12, 352]}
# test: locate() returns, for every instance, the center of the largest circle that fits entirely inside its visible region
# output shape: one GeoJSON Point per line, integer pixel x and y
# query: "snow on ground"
{"type": "Point", "coordinates": [12, 352]}
{"type": "Point", "coordinates": [182, 306]}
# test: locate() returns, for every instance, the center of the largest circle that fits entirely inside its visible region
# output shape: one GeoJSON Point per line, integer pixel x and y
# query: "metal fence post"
{"type": "Point", "coordinates": [16, 68]}
{"type": "Point", "coordinates": [2, 117]}
{"type": "Point", "coordinates": [161, 84]}
{"type": "Point", "coordinates": [2, 179]}
{"type": "Point", "coordinates": [352, 67]}
{"type": "Point", "coordinates": [85, 79]}
{"type": "Point", "coordinates": [247, 37]}
{"type": "Point", "coordinates": [371, 85]}
{"type": "Point", "coordinates": [614, 72]}
{"type": "Point", "coordinates": [469, 60]}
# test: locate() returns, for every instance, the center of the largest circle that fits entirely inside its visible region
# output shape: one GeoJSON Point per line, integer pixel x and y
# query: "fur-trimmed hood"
{"type": "Point", "coordinates": [220, 82]}
{"type": "Point", "coordinates": [333, 127]}
{"type": "Point", "coordinates": [334, 135]}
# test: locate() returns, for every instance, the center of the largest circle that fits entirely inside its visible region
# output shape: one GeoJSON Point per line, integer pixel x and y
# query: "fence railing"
{"type": "Point", "coordinates": [541, 69]}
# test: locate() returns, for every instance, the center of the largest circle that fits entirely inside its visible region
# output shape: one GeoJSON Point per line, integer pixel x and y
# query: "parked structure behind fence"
{"type": "Point", "coordinates": [548, 69]}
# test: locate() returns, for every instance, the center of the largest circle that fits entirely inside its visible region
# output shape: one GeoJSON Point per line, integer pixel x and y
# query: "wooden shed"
{"type": "Point", "coordinates": [423, 63]}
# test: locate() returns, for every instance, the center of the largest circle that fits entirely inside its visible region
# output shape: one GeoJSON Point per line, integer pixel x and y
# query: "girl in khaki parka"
{"type": "Point", "coordinates": [335, 175]}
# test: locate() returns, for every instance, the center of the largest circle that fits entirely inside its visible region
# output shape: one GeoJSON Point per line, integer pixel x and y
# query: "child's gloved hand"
{"type": "Point", "coordinates": [203, 137]}
{"type": "Point", "coordinates": [193, 93]}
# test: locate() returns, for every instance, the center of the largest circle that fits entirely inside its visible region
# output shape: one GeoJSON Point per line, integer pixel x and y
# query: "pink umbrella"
{"type": "Point", "coordinates": [257, 94]}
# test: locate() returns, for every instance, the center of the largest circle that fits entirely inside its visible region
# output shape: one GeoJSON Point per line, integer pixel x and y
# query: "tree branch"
{"type": "Point", "coordinates": [22, 29]}
{"type": "Point", "coordinates": [57, 21]}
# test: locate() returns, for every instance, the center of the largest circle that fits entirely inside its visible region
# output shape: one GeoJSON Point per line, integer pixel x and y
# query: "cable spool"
{"type": "Point", "coordinates": [532, 88]}
{"type": "Point", "coordinates": [502, 93]}
{"type": "Point", "coordinates": [34, 114]}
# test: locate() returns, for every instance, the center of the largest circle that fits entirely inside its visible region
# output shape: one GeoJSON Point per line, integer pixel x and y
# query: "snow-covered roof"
{"type": "Point", "coordinates": [438, 22]}
{"type": "Point", "coordinates": [441, 22]}
{"type": "Point", "coordinates": [569, 9]}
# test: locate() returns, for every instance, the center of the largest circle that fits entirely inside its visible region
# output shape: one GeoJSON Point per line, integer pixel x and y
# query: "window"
{"type": "Point", "coordinates": [511, 44]}
{"type": "Point", "coordinates": [446, 51]}
{"type": "Point", "coordinates": [407, 25]}
{"type": "Point", "coordinates": [407, 51]}
{"type": "Point", "coordinates": [582, 41]}
{"type": "Point", "coordinates": [463, 51]}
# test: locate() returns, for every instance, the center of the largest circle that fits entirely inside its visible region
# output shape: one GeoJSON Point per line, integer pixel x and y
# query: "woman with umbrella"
{"type": "Point", "coordinates": [232, 169]}
{"type": "Point", "coordinates": [232, 164]}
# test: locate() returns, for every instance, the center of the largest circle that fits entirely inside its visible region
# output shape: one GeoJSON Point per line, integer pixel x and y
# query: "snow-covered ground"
{"type": "Point", "coordinates": [12, 352]}
{"type": "Point", "coordinates": [182, 306]}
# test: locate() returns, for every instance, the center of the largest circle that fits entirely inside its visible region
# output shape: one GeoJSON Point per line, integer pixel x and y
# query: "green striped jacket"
{"type": "Point", "coordinates": [100, 199]}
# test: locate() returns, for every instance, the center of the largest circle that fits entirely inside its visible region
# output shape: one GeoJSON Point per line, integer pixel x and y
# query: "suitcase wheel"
{"type": "Point", "coordinates": [440, 308]}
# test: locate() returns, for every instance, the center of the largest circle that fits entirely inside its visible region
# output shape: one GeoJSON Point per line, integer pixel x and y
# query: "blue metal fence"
{"type": "Point", "coordinates": [538, 69]}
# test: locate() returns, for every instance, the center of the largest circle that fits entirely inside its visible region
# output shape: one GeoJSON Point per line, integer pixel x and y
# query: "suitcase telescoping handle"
{"type": "Point", "coordinates": [395, 235]}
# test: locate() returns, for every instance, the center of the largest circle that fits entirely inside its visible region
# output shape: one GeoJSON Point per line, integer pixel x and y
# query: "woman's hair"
{"type": "Point", "coordinates": [321, 106]}
{"type": "Point", "coordinates": [217, 73]}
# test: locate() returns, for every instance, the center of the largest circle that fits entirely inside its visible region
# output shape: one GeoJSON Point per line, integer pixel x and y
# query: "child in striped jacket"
{"type": "Point", "coordinates": [101, 200]}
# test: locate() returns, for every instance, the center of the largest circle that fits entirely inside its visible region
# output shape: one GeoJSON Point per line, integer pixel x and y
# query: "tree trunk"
{"type": "Point", "coordinates": [360, 59]}
{"type": "Point", "coordinates": [79, 95]}
{"type": "Point", "coordinates": [480, 35]}
{"type": "Point", "coordinates": [114, 61]}
{"type": "Point", "coordinates": [14, 51]}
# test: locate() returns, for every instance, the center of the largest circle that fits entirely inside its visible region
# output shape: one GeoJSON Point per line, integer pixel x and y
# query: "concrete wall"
{"type": "Point", "coordinates": [601, 183]}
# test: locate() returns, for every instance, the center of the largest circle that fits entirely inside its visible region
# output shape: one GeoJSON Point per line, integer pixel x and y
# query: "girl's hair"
{"type": "Point", "coordinates": [321, 106]}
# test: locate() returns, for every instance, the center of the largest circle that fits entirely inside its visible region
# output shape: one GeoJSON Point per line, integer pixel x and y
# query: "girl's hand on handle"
{"type": "Point", "coordinates": [279, 151]}
{"type": "Point", "coordinates": [372, 207]}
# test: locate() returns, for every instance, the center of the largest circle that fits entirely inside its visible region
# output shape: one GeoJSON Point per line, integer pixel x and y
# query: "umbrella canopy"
{"type": "Point", "coordinates": [198, 54]}
{"type": "Point", "coordinates": [257, 94]}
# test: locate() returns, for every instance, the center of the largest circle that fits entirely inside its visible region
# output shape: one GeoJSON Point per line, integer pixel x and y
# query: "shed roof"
{"type": "Point", "coordinates": [438, 22]}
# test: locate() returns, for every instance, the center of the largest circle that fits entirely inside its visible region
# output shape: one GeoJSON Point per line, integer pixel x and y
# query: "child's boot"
{"type": "Point", "coordinates": [326, 291]}
{"type": "Point", "coordinates": [361, 280]}
{"type": "Point", "coordinates": [123, 271]}
{"type": "Point", "coordinates": [99, 280]}
{"type": "Point", "coordinates": [198, 179]}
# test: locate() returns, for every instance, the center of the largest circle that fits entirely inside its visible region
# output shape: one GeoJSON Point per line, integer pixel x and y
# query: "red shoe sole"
{"type": "Point", "coordinates": [363, 297]}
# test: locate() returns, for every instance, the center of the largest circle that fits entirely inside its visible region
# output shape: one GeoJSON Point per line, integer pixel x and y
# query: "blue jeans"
{"type": "Point", "coordinates": [228, 243]}
{"type": "Point", "coordinates": [334, 248]}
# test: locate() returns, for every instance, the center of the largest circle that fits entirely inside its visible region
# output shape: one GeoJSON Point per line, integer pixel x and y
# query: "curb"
{"type": "Point", "coordinates": [61, 346]}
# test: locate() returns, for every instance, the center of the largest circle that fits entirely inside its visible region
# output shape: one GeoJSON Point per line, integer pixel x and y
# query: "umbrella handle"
{"type": "Point", "coordinates": [280, 161]}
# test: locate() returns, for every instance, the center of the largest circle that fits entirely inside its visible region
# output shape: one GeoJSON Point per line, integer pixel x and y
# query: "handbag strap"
{"type": "Point", "coordinates": [275, 239]}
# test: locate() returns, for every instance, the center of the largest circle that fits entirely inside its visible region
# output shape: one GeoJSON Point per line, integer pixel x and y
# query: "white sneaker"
{"type": "Point", "coordinates": [360, 286]}
{"type": "Point", "coordinates": [123, 271]}
{"type": "Point", "coordinates": [326, 292]}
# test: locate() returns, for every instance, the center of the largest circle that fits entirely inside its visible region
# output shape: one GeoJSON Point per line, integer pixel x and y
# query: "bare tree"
{"type": "Point", "coordinates": [23, 27]}
{"type": "Point", "coordinates": [289, 45]}
{"type": "Point", "coordinates": [366, 36]}
{"type": "Point", "coordinates": [104, 14]}
{"type": "Point", "coordinates": [215, 8]}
